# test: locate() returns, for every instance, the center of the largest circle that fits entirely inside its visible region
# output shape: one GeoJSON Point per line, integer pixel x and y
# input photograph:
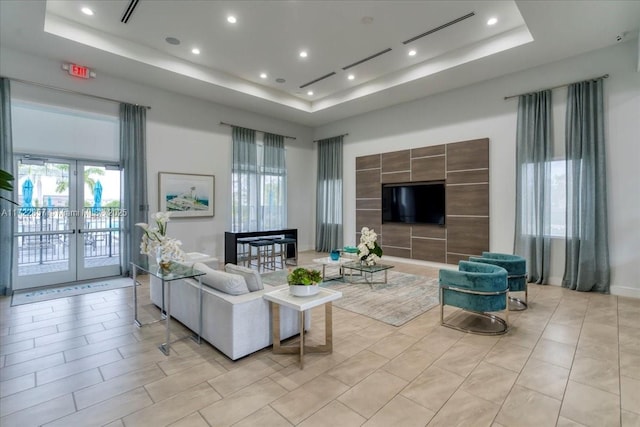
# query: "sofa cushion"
{"type": "Point", "coordinates": [232, 284]}
{"type": "Point", "coordinates": [251, 277]}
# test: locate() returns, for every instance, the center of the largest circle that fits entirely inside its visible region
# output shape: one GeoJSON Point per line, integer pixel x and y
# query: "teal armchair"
{"type": "Point", "coordinates": [479, 289]}
{"type": "Point", "coordinates": [516, 267]}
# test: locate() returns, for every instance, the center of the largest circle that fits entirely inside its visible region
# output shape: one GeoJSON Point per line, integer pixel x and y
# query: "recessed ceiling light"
{"type": "Point", "coordinates": [195, 51]}
{"type": "Point", "coordinates": [412, 52]}
{"type": "Point", "coordinates": [303, 54]}
{"type": "Point", "coordinates": [280, 80]}
{"type": "Point", "coordinates": [263, 75]}
{"type": "Point", "coordinates": [87, 11]}
{"type": "Point", "coordinates": [351, 77]}
{"type": "Point", "coordinates": [492, 21]}
{"type": "Point", "coordinates": [310, 93]}
{"type": "Point", "coordinates": [231, 19]}
{"type": "Point", "coordinates": [172, 40]}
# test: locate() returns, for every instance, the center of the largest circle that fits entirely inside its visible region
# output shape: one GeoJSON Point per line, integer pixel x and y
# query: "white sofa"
{"type": "Point", "coordinates": [237, 325]}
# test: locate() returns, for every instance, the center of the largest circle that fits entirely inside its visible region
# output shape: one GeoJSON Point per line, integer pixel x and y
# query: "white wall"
{"type": "Point", "coordinates": [184, 136]}
{"type": "Point", "coordinates": [480, 111]}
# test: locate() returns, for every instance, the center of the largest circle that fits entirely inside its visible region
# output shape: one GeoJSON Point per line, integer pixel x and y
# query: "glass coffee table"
{"type": "Point", "coordinates": [366, 271]}
{"type": "Point", "coordinates": [328, 262]}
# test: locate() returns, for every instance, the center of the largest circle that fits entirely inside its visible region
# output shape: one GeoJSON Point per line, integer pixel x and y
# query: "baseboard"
{"type": "Point", "coordinates": [625, 291]}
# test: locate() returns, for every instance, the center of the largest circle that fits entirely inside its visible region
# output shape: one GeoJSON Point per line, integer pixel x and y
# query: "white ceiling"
{"type": "Point", "coordinates": [268, 36]}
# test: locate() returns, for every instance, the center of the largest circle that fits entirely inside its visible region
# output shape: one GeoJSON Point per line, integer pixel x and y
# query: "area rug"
{"type": "Point", "coordinates": [401, 299]}
{"type": "Point", "coordinates": [29, 296]}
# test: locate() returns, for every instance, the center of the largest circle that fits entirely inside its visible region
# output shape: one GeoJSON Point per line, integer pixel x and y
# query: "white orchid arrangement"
{"type": "Point", "coordinates": [368, 250]}
{"type": "Point", "coordinates": [155, 241]}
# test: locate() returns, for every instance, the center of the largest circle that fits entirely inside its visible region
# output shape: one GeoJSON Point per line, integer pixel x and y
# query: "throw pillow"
{"type": "Point", "coordinates": [232, 284]}
{"type": "Point", "coordinates": [253, 279]}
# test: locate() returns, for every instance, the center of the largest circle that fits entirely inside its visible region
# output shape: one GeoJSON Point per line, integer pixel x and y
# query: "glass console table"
{"type": "Point", "coordinates": [176, 271]}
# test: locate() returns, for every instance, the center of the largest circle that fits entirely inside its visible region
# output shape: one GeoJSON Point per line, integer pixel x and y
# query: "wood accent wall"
{"type": "Point", "coordinates": [464, 166]}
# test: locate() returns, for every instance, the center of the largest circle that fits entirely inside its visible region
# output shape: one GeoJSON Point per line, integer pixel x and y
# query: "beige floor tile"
{"type": "Point", "coordinates": [17, 384]}
{"type": "Point", "coordinates": [600, 332]}
{"type": "Point", "coordinates": [508, 355]}
{"type": "Point", "coordinates": [630, 339]}
{"type": "Point", "coordinates": [393, 345]}
{"type": "Point", "coordinates": [545, 378]}
{"type": "Point", "coordinates": [562, 333]}
{"type": "Point", "coordinates": [292, 377]}
{"type": "Point", "coordinates": [590, 347]}
{"type": "Point", "coordinates": [630, 399]}
{"type": "Point", "coordinates": [554, 352]}
{"type": "Point", "coordinates": [40, 414]}
{"type": "Point", "coordinates": [45, 350]}
{"type": "Point", "coordinates": [27, 332]}
{"type": "Point", "coordinates": [39, 395]}
{"type": "Point", "coordinates": [411, 363]}
{"type": "Point", "coordinates": [15, 347]}
{"type": "Point", "coordinates": [91, 349]}
{"type": "Point", "coordinates": [521, 336]}
{"type": "Point", "coordinates": [590, 406]}
{"type": "Point", "coordinates": [437, 342]}
{"type": "Point", "coordinates": [107, 389]}
{"type": "Point", "coordinates": [116, 423]}
{"type": "Point", "coordinates": [193, 420]}
{"type": "Point", "coordinates": [462, 358]}
{"type": "Point", "coordinates": [489, 382]}
{"type": "Point", "coordinates": [107, 411]}
{"type": "Point", "coordinates": [464, 409]}
{"type": "Point", "coordinates": [376, 331]}
{"type": "Point", "coordinates": [20, 369]}
{"type": "Point", "coordinates": [630, 365]}
{"type": "Point", "coordinates": [596, 373]}
{"type": "Point", "coordinates": [524, 408]}
{"type": "Point", "coordinates": [174, 408]}
{"type": "Point", "coordinates": [299, 404]}
{"type": "Point", "coordinates": [354, 369]}
{"type": "Point", "coordinates": [375, 391]}
{"type": "Point", "coordinates": [401, 411]}
{"type": "Point", "coordinates": [264, 417]}
{"type": "Point", "coordinates": [432, 388]}
{"type": "Point", "coordinates": [602, 316]}
{"type": "Point", "coordinates": [630, 419]}
{"type": "Point", "coordinates": [183, 380]}
{"type": "Point", "coordinates": [334, 414]}
{"type": "Point", "coordinates": [229, 382]}
{"type": "Point", "coordinates": [566, 422]}
{"type": "Point", "coordinates": [68, 334]}
{"type": "Point", "coordinates": [56, 372]}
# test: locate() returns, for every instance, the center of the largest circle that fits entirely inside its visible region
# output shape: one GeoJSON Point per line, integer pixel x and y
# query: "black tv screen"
{"type": "Point", "coordinates": [413, 203]}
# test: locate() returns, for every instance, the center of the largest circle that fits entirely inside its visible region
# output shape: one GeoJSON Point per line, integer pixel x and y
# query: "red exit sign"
{"type": "Point", "coordinates": [78, 70]}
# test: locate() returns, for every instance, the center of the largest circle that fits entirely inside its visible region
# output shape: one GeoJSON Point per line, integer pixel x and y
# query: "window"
{"type": "Point", "coordinates": [556, 224]}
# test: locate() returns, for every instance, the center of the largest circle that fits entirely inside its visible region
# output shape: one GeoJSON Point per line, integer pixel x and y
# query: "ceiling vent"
{"type": "Point", "coordinates": [127, 13]}
{"type": "Point", "coordinates": [441, 27]}
{"type": "Point", "coordinates": [368, 58]}
{"type": "Point", "coordinates": [318, 79]}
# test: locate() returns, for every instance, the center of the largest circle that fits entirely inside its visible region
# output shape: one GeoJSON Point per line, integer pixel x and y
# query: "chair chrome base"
{"type": "Point", "coordinates": [477, 323]}
{"type": "Point", "coordinates": [516, 304]}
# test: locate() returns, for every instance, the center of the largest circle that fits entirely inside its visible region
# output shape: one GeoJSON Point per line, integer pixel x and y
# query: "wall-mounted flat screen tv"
{"type": "Point", "coordinates": [414, 203]}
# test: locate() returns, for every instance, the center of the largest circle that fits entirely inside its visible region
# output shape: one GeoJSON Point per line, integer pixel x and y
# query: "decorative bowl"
{"type": "Point", "coordinates": [303, 290]}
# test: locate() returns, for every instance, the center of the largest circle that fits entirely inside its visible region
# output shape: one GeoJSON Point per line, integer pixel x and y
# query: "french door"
{"type": "Point", "coordinates": [68, 222]}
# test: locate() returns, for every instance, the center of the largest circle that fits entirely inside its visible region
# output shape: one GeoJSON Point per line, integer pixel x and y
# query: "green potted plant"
{"type": "Point", "coordinates": [5, 184]}
{"type": "Point", "coordinates": [304, 282]}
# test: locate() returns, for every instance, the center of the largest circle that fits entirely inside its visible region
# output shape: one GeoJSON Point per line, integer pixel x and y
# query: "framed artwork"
{"type": "Point", "coordinates": [186, 195]}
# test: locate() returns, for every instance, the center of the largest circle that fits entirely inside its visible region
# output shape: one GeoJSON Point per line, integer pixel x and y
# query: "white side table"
{"type": "Point", "coordinates": [302, 304]}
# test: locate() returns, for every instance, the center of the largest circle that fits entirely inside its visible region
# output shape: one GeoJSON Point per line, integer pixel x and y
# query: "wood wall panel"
{"type": "Point", "coordinates": [368, 184]}
{"type": "Point", "coordinates": [428, 169]}
{"type": "Point", "coordinates": [464, 155]}
{"type": "Point", "coordinates": [465, 177]}
{"type": "Point", "coordinates": [399, 252]}
{"type": "Point", "coordinates": [467, 235]}
{"type": "Point", "coordinates": [428, 250]}
{"type": "Point", "coordinates": [390, 178]}
{"type": "Point", "coordinates": [432, 231]}
{"type": "Point", "coordinates": [368, 203]}
{"type": "Point", "coordinates": [371, 219]}
{"type": "Point", "coordinates": [396, 235]}
{"type": "Point", "coordinates": [472, 199]}
{"type": "Point", "coordinates": [368, 162]}
{"type": "Point", "coordinates": [397, 161]}
{"type": "Point", "coordinates": [434, 150]}
{"type": "Point", "coordinates": [455, 258]}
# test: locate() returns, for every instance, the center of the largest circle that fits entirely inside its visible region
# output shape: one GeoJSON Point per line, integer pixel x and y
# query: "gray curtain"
{"type": "Point", "coordinates": [329, 195]}
{"type": "Point", "coordinates": [244, 204]}
{"type": "Point", "coordinates": [273, 184]}
{"type": "Point", "coordinates": [533, 155]}
{"type": "Point", "coordinates": [6, 164]}
{"type": "Point", "coordinates": [587, 246]}
{"type": "Point", "coordinates": [133, 160]}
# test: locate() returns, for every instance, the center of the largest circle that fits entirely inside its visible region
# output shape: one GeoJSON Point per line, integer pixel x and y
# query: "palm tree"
{"type": "Point", "coordinates": [63, 184]}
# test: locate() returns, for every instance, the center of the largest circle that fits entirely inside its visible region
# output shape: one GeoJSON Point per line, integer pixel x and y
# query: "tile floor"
{"type": "Point", "coordinates": [572, 359]}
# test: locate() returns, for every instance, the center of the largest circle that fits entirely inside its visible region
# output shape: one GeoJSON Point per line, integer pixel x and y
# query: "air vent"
{"type": "Point", "coordinates": [368, 58]}
{"type": "Point", "coordinates": [441, 27]}
{"type": "Point", "coordinates": [318, 79]}
{"type": "Point", "coordinates": [129, 11]}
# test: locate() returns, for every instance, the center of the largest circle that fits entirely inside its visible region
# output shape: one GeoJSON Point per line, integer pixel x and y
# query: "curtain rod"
{"type": "Point", "coordinates": [318, 140]}
{"type": "Point", "coordinates": [75, 92]}
{"type": "Point", "coordinates": [257, 130]}
{"type": "Point", "coordinates": [606, 76]}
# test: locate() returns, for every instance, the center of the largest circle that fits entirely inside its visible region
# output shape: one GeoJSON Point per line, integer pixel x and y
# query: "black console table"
{"type": "Point", "coordinates": [231, 242]}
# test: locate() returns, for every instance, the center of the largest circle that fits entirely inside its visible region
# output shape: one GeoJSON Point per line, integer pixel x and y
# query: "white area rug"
{"type": "Point", "coordinates": [402, 298]}
{"type": "Point", "coordinates": [29, 296]}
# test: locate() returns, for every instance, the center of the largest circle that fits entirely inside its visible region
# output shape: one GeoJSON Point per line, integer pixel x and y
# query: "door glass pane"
{"type": "Point", "coordinates": [101, 216]}
{"type": "Point", "coordinates": [43, 196]}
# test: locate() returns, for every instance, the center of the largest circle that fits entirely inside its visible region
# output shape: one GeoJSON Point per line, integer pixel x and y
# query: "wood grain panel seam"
{"type": "Point", "coordinates": [396, 247]}
{"type": "Point", "coordinates": [469, 183]}
{"type": "Point", "coordinates": [468, 216]}
{"type": "Point", "coordinates": [402, 171]}
{"type": "Point", "coordinates": [367, 198]}
{"type": "Point", "coordinates": [427, 157]}
{"type": "Point", "coordinates": [467, 170]}
{"type": "Point", "coordinates": [456, 253]}
{"type": "Point", "coordinates": [428, 238]}
{"type": "Point", "coordinates": [367, 169]}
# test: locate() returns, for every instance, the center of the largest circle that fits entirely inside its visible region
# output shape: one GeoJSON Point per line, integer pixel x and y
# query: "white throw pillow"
{"type": "Point", "coordinates": [232, 284]}
{"type": "Point", "coordinates": [253, 279]}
